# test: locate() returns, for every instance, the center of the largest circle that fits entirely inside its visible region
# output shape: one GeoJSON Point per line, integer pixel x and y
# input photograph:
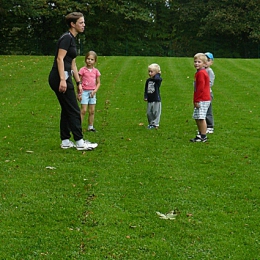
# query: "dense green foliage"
{"type": "Point", "coordinates": [149, 27]}
{"type": "Point", "coordinates": [102, 204]}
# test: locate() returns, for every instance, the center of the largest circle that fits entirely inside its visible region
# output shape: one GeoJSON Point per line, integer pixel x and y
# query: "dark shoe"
{"type": "Point", "coordinates": [198, 138]}
{"type": "Point", "coordinates": [92, 130]}
{"type": "Point", "coordinates": [152, 127]}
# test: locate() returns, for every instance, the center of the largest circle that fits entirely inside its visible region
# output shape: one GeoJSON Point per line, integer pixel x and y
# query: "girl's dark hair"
{"type": "Point", "coordinates": [72, 18]}
{"type": "Point", "coordinates": [91, 53]}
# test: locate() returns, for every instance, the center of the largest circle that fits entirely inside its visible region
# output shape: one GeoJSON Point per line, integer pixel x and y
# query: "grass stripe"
{"type": "Point", "coordinates": [102, 204]}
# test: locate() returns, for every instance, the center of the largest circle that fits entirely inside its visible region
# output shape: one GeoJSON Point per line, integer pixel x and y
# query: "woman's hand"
{"type": "Point", "coordinates": [63, 86]}
{"type": "Point", "coordinates": [80, 90]}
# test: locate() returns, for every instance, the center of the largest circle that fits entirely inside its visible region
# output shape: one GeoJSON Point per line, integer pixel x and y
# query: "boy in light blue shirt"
{"type": "Point", "coordinates": [209, 116]}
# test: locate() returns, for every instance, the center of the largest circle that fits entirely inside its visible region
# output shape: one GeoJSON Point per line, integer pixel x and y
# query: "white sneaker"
{"type": "Point", "coordinates": [210, 130]}
{"type": "Point", "coordinates": [69, 145]}
{"type": "Point", "coordinates": [86, 146]}
{"type": "Point", "coordinates": [93, 145]}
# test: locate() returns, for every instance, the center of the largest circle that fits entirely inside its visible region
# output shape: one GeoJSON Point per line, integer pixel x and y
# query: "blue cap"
{"type": "Point", "coordinates": [209, 55]}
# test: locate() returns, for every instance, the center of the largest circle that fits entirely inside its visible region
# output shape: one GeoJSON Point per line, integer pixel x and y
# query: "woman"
{"type": "Point", "coordinates": [60, 80]}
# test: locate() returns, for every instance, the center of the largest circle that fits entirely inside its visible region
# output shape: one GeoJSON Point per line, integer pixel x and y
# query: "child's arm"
{"type": "Point", "coordinates": [197, 104]}
{"type": "Point", "coordinates": [97, 87]}
{"type": "Point", "coordinates": [157, 77]}
{"type": "Point", "coordinates": [200, 84]}
{"type": "Point", "coordinates": [211, 77]}
{"type": "Point", "coordinates": [145, 91]}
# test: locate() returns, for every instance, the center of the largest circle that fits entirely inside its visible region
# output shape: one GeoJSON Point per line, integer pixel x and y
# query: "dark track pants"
{"type": "Point", "coordinates": [70, 120]}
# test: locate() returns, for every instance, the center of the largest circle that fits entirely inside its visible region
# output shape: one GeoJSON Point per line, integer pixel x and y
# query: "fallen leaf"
{"type": "Point", "coordinates": [50, 168]}
{"type": "Point", "coordinates": [132, 226]}
{"type": "Point", "coordinates": [171, 215]}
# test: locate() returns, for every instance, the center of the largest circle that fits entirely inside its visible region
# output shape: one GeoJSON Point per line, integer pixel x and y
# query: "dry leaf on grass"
{"type": "Point", "coordinates": [50, 168]}
{"type": "Point", "coordinates": [171, 215]}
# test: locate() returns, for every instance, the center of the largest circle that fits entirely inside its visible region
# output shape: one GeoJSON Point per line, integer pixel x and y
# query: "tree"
{"type": "Point", "coordinates": [235, 20]}
{"type": "Point", "coordinates": [228, 28]}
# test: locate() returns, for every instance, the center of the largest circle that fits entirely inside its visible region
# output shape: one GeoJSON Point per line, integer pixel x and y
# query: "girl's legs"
{"type": "Point", "coordinates": [83, 112]}
{"type": "Point", "coordinates": [91, 113]}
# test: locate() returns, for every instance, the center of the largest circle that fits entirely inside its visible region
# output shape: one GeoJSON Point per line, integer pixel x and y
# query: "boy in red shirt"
{"type": "Point", "coordinates": [201, 97]}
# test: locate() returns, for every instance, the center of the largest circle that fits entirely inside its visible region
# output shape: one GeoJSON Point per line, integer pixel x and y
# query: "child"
{"type": "Point", "coordinates": [209, 116]}
{"type": "Point", "coordinates": [152, 96]}
{"type": "Point", "coordinates": [90, 78]}
{"type": "Point", "coordinates": [201, 97]}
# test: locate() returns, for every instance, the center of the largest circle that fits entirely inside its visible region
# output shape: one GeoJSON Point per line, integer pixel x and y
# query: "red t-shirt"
{"type": "Point", "coordinates": [201, 86]}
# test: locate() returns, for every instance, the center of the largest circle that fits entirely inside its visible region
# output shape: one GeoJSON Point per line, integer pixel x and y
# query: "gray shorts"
{"type": "Point", "coordinates": [201, 112]}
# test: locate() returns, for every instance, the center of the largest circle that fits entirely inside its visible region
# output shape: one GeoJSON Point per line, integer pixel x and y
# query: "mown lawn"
{"type": "Point", "coordinates": [102, 204]}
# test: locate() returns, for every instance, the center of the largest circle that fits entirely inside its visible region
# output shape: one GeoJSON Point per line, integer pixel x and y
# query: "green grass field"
{"type": "Point", "coordinates": [102, 204]}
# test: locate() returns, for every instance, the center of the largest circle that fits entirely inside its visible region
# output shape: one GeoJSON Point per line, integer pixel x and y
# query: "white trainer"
{"type": "Point", "coordinates": [67, 146]}
{"type": "Point", "coordinates": [86, 146]}
{"type": "Point", "coordinates": [210, 130]}
{"type": "Point", "coordinates": [93, 145]}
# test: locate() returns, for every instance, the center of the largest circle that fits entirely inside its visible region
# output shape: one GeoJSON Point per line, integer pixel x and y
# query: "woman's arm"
{"type": "Point", "coordinates": [76, 76]}
{"type": "Point", "coordinates": [60, 62]}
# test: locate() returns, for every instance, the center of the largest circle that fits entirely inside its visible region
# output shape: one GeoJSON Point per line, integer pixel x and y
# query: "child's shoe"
{"type": "Point", "coordinates": [92, 130]}
{"type": "Point", "coordinates": [210, 130]}
{"type": "Point", "coordinates": [198, 138]}
{"type": "Point", "coordinates": [152, 127]}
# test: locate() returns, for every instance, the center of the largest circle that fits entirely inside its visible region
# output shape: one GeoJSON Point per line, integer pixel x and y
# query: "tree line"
{"type": "Point", "coordinates": [228, 28]}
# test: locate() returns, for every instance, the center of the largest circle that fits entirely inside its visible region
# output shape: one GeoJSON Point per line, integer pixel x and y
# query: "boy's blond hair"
{"type": "Point", "coordinates": [154, 67]}
{"type": "Point", "coordinates": [201, 56]}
